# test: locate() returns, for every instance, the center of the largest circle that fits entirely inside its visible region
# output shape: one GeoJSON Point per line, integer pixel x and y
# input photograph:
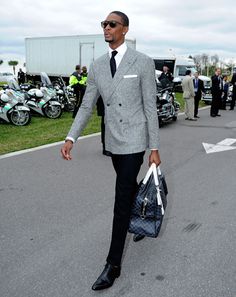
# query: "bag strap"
{"type": "Point", "coordinates": [159, 200]}
{"type": "Point", "coordinates": [149, 173]}
{"type": "Point", "coordinates": [153, 169]}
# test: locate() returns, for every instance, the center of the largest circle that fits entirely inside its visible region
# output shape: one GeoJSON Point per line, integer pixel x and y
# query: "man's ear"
{"type": "Point", "coordinates": [125, 30]}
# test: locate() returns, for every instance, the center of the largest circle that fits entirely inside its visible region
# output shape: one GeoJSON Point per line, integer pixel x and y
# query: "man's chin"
{"type": "Point", "coordinates": [108, 40]}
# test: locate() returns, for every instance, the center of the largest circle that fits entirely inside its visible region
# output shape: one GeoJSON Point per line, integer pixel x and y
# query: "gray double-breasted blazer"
{"type": "Point", "coordinates": [131, 122]}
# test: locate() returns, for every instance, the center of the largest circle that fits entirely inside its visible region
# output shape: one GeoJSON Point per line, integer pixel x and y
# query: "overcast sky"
{"type": "Point", "coordinates": [182, 27]}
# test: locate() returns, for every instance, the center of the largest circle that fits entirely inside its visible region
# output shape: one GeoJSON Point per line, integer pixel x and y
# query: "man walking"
{"type": "Point", "coordinates": [216, 90]}
{"type": "Point", "coordinates": [188, 95]}
{"type": "Point", "coordinates": [125, 79]}
{"type": "Point", "coordinates": [198, 90]}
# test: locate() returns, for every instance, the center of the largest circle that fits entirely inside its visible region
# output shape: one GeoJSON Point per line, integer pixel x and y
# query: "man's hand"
{"type": "Point", "coordinates": [154, 158]}
{"type": "Point", "coordinates": [66, 149]}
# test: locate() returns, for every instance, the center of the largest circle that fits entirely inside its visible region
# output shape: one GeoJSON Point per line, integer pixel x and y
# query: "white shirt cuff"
{"type": "Point", "coordinates": [70, 138]}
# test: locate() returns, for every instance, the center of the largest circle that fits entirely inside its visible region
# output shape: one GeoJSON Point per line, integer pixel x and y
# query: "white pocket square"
{"type": "Point", "coordinates": [130, 75]}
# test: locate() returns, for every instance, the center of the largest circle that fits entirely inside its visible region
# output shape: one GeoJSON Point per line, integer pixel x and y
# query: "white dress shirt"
{"type": "Point", "coordinates": [121, 51]}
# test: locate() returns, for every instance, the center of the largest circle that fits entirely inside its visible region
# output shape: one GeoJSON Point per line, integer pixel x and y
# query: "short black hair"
{"type": "Point", "coordinates": [124, 17]}
{"type": "Point", "coordinates": [77, 67]}
{"type": "Point", "coordinates": [188, 72]}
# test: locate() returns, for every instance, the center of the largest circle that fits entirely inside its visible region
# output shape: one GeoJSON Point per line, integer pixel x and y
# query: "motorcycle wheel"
{"type": "Point", "coordinates": [52, 111]}
{"type": "Point", "coordinates": [69, 107]}
{"type": "Point", "coordinates": [20, 118]}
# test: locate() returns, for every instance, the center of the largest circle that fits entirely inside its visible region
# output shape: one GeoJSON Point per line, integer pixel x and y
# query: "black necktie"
{"type": "Point", "coordinates": [113, 63]}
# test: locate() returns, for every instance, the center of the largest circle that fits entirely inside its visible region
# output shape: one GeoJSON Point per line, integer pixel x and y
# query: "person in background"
{"type": "Point", "coordinates": [216, 91]}
{"type": "Point", "coordinates": [225, 92]}
{"type": "Point", "coordinates": [198, 90]}
{"type": "Point", "coordinates": [166, 77]}
{"type": "Point", "coordinates": [101, 113]}
{"type": "Point", "coordinates": [21, 76]}
{"type": "Point", "coordinates": [77, 83]}
{"type": "Point", "coordinates": [84, 72]}
{"type": "Point", "coordinates": [83, 82]}
{"type": "Point", "coordinates": [188, 95]}
{"type": "Point", "coordinates": [233, 82]}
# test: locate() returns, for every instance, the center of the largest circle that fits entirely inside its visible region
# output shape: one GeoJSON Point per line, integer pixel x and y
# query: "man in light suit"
{"type": "Point", "coordinates": [188, 95]}
{"type": "Point", "coordinates": [125, 79]}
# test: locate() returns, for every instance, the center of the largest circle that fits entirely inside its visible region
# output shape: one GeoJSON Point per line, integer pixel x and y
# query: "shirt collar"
{"type": "Point", "coordinates": [120, 49]}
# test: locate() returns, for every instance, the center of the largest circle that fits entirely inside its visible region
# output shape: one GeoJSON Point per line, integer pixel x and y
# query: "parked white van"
{"type": "Point", "coordinates": [178, 66]}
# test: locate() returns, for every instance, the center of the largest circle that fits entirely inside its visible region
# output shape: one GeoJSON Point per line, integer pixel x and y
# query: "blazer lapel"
{"type": "Point", "coordinates": [126, 62]}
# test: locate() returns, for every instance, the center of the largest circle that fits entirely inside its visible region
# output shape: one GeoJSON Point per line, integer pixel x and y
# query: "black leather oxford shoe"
{"type": "Point", "coordinates": [107, 277]}
{"type": "Point", "coordinates": [138, 237]}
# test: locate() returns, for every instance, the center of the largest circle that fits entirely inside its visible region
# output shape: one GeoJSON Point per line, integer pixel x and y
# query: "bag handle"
{"type": "Point", "coordinates": [153, 169]}
{"type": "Point", "coordinates": [149, 173]}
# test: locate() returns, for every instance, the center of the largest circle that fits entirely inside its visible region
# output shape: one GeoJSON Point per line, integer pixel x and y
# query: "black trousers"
{"type": "Point", "coordinates": [103, 132]}
{"type": "Point", "coordinates": [79, 93]}
{"type": "Point", "coordinates": [215, 104]}
{"type": "Point", "coordinates": [196, 104]}
{"type": "Point", "coordinates": [127, 168]}
{"type": "Point", "coordinates": [232, 104]}
{"type": "Point", "coordinates": [223, 101]}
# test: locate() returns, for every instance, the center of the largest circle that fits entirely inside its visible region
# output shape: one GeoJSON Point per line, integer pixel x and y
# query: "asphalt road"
{"type": "Point", "coordinates": [55, 220]}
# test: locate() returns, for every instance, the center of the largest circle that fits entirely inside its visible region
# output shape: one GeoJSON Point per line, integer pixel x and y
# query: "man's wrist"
{"type": "Point", "coordinates": [70, 139]}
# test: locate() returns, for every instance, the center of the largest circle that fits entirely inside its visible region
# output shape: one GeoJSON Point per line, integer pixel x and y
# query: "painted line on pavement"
{"type": "Point", "coordinates": [43, 147]}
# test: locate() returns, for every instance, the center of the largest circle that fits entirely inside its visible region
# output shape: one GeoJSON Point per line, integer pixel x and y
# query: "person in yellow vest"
{"type": "Point", "coordinates": [78, 84]}
{"type": "Point", "coordinates": [84, 74]}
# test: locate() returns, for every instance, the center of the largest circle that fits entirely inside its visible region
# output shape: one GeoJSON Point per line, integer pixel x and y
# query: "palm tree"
{"type": "Point", "coordinates": [13, 63]}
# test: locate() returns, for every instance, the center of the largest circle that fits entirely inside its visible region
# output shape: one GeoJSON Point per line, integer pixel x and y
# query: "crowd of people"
{"type": "Point", "coordinates": [193, 90]}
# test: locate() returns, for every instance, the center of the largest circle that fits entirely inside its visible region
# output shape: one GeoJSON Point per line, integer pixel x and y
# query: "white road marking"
{"type": "Point", "coordinates": [224, 145]}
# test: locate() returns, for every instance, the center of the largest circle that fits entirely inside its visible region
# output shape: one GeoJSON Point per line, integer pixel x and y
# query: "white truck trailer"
{"type": "Point", "coordinates": [58, 55]}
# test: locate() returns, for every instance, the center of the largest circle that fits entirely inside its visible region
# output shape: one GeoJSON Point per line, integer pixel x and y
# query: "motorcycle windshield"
{"type": "Point", "coordinates": [13, 84]}
{"type": "Point", "coordinates": [45, 79]}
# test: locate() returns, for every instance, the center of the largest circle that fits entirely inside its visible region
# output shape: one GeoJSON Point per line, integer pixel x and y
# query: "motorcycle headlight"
{"type": "Point", "coordinates": [5, 98]}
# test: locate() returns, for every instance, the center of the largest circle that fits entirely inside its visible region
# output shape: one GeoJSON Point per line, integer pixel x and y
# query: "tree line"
{"type": "Point", "coordinates": [207, 64]}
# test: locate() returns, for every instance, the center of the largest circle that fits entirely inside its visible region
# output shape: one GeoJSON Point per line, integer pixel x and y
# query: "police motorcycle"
{"type": "Point", "coordinates": [43, 100]}
{"type": "Point", "coordinates": [167, 106]}
{"type": "Point", "coordinates": [12, 107]}
{"type": "Point", "coordinates": [64, 94]}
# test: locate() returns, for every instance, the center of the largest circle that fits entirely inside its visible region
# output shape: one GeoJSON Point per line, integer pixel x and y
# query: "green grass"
{"type": "Point", "coordinates": [179, 98]}
{"type": "Point", "coordinates": [40, 131]}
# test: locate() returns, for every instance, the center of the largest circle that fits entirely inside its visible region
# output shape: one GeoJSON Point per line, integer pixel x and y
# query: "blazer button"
{"type": "Point", "coordinates": [120, 104]}
{"type": "Point", "coordinates": [108, 104]}
{"type": "Point", "coordinates": [121, 121]}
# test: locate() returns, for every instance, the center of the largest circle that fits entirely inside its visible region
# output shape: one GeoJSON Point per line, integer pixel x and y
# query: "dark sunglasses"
{"type": "Point", "coordinates": [112, 24]}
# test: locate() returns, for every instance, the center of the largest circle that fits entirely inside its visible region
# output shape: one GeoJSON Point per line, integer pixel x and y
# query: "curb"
{"type": "Point", "coordinates": [43, 147]}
